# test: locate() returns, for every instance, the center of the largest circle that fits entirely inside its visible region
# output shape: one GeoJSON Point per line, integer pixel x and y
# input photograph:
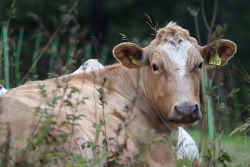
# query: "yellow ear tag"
{"type": "Point", "coordinates": [215, 60]}
{"type": "Point", "coordinates": [135, 61]}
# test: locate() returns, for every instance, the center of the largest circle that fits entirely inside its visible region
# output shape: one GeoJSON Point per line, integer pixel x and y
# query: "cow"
{"type": "Point", "coordinates": [154, 88]}
{"type": "Point", "coordinates": [186, 145]}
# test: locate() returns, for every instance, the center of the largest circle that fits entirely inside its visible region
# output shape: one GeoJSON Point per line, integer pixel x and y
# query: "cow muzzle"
{"type": "Point", "coordinates": [185, 113]}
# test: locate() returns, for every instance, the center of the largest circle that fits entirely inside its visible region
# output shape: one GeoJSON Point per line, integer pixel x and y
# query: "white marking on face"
{"type": "Point", "coordinates": [177, 51]}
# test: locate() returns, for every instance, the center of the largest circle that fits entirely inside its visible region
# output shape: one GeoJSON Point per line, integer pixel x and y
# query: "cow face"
{"type": "Point", "coordinates": [170, 70]}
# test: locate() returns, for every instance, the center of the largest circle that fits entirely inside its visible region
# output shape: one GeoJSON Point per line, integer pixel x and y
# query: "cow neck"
{"type": "Point", "coordinates": [124, 81]}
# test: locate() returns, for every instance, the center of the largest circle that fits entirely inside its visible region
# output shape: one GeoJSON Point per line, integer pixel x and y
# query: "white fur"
{"type": "Point", "coordinates": [177, 51]}
{"type": "Point", "coordinates": [89, 65]}
{"type": "Point", "coordinates": [186, 146]}
{"type": "Point", "coordinates": [2, 90]}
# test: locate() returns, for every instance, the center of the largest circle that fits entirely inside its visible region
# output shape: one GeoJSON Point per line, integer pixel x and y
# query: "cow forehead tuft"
{"type": "Point", "coordinates": [172, 29]}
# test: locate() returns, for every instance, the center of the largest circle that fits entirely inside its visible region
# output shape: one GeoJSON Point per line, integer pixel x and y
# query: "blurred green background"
{"type": "Point", "coordinates": [105, 19]}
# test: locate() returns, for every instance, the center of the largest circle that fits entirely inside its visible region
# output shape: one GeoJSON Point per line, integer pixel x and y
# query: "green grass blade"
{"type": "Point", "coordinates": [245, 91]}
{"type": "Point", "coordinates": [35, 54]}
{"type": "Point", "coordinates": [210, 115]}
{"type": "Point", "coordinates": [53, 54]}
{"type": "Point", "coordinates": [209, 112]}
{"type": "Point", "coordinates": [236, 105]}
{"type": "Point", "coordinates": [1, 53]}
{"type": "Point", "coordinates": [104, 55]}
{"type": "Point", "coordinates": [225, 118]}
{"type": "Point", "coordinates": [68, 57]}
{"type": "Point", "coordinates": [6, 57]}
{"type": "Point", "coordinates": [17, 58]}
{"type": "Point", "coordinates": [88, 50]}
{"type": "Point", "coordinates": [203, 87]}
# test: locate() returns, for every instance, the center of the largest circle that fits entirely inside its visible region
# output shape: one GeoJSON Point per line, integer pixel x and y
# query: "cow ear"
{"type": "Point", "coordinates": [128, 54]}
{"type": "Point", "coordinates": [218, 52]}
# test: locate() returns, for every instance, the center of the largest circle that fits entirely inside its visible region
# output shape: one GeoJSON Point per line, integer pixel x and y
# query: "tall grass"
{"type": "Point", "coordinates": [104, 54]}
{"type": "Point", "coordinates": [42, 52]}
{"type": "Point", "coordinates": [53, 54]}
{"type": "Point", "coordinates": [35, 54]}
{"type": "Point", "coordinates": [214, 155]}
{"type": "Point", "coordinates": [1, 54]}
{"type": "Point", "coordinates": [68, 58]}
{"type": "Point", "coordinates": [18, 53]}
{"type": "Point", "coordinates": [6, 56]}
{"type": "Point", "coordinates": [88, 51]}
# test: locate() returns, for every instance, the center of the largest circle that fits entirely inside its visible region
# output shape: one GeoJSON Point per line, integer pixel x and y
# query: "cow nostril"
{"type": "Point", "coordinates": [195, 110]}
{"type": "Point", "coordinates": [178, 110]}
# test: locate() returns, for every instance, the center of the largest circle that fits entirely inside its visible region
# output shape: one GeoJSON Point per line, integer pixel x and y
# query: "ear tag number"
{"type": "Point", "coordinates": [215, 60]}
{"type": "Point", "coordinates": [135, 61]}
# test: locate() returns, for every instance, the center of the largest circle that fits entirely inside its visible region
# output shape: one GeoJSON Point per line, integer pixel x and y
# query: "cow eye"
{"type": "Point", "coordinates": [155, 67]}
{"type": "Point", "coordinates": [200, 66]}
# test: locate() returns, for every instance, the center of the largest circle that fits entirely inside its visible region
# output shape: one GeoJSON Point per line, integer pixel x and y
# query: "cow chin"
{"type": "Point", "coordinates": [187, 123]}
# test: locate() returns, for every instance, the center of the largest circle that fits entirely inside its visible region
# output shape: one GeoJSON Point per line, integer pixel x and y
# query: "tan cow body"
{"type": "Point", "coordinates": [162, 92]}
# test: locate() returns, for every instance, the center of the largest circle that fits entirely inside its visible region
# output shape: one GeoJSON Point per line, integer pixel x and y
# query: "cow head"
{"type": "Point", "coordinates": [170, 70]}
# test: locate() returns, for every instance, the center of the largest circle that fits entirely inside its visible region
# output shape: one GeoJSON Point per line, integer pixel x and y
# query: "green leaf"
{"type": "Point", "coordinates": [233, 91]}
{"type": "Point", "coordinates": [119, 115]}
{"type": "Point", "coordinates": [79, 159]}
{"type": "Point", "coordinates": [187, 162]}
{"type": "Point", "coordinates": [179, 163]}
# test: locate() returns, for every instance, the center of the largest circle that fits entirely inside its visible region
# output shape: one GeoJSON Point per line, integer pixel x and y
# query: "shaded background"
{"type": "Point", "coordinates": [99, 22]}
{"type": "Point", "coordinates": [105, 19]}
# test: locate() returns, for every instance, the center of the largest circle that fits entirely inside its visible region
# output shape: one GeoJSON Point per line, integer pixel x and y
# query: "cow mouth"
{"type": "Point", "coordinates": [185, 121]}
{"type": "Point", "coordinates": [181, 122]}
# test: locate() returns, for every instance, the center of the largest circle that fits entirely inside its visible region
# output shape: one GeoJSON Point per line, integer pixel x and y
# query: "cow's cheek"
{"type": "Point", "coordinates": [163, 96]}
{"type": "Point", "coordinates": [196, 85]}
